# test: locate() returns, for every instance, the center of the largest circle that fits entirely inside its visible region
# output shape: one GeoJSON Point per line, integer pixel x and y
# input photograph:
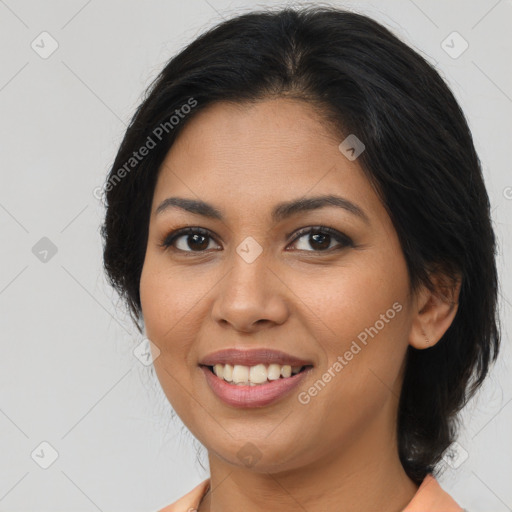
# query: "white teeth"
{"type": "Point", "coordinates": [240, 374]}
{"type": "Point", "coordinates": [227, 372]}
{"type": "Point", "coordinates": [274, 371]}
{"type": "Point", "coordinates": [258, 374]}
{"type": "Point", "coordinates": [254, 375]}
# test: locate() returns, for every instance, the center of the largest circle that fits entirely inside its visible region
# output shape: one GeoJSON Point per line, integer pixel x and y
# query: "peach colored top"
{"type": "Point", "coordinates": [430, 497]}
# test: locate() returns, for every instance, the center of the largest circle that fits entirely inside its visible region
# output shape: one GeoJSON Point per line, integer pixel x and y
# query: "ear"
{"type": "Point", "coordinates": [434, 311]}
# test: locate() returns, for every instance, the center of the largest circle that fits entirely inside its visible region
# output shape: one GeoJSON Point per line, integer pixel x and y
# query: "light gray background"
{"type": "Point", "coordinates": [67, 372]}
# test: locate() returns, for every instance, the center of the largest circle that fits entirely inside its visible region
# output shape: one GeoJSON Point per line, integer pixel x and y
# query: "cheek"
{"type": "Point", "coordinates": [167, 295]}
{"type": "Point", "coordinates": [350, 300]}
{"type": "Point", "coordinates": [167, 299]}
{"type": "Point", "coordinates": [359, 376]}
{"type": "Point", "coordinates": [359, 316]}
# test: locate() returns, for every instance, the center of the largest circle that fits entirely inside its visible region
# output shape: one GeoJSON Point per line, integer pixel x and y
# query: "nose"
{"type": "Point", "coordinates": [250, 296]}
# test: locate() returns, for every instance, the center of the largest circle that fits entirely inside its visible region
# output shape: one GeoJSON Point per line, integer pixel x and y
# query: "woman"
{"type": "Point", "coordinates": [297, 219]}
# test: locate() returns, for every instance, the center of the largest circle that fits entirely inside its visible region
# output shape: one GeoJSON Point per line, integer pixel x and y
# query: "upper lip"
{"type": "Point", "coordinates": [252, 357]}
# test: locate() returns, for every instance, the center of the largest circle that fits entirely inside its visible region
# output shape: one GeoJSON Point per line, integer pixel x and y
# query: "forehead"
{"type": "Point", "coordinates": [251, 154]}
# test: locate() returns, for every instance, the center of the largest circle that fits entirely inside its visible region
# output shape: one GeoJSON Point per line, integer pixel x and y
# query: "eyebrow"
{"type": "Point", "coordinates": [280, 212]}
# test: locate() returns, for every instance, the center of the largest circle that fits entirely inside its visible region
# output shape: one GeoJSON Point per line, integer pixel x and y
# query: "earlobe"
{"type": "Point", "coordinates": [435, 312]}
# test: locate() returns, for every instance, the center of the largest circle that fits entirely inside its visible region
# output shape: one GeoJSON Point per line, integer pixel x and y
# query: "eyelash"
{"type": "Point", "coordinates": [341, 238]}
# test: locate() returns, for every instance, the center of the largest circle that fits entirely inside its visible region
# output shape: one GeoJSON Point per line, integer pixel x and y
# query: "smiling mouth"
{"type": "Point", "coordinates": [241, 375]}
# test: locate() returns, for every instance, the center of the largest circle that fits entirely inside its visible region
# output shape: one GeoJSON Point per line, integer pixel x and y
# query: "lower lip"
{"type": "Point", "coordinates": [238, 395]}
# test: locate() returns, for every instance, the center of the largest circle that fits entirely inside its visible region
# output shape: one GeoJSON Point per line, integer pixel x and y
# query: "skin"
{"type": "Point", "coordinates": [339, 451]}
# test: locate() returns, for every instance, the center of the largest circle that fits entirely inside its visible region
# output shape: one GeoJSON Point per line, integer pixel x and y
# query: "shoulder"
{"type": "Point", "coordinates": [190, 501]}
{"type": "Point", "coordinates": [432, 497]}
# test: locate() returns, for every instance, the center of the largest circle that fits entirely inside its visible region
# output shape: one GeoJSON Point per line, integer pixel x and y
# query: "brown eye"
{"type": "Point", "coordinates": [188, 240]}
{"type": "Point", "coordinates": [195, 242]}
{"type": "Point", "coordinates": [320, 239]}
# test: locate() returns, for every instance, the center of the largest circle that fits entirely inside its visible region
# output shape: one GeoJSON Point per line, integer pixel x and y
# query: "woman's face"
{"type": "Point", "coordinates": [339, 302]}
